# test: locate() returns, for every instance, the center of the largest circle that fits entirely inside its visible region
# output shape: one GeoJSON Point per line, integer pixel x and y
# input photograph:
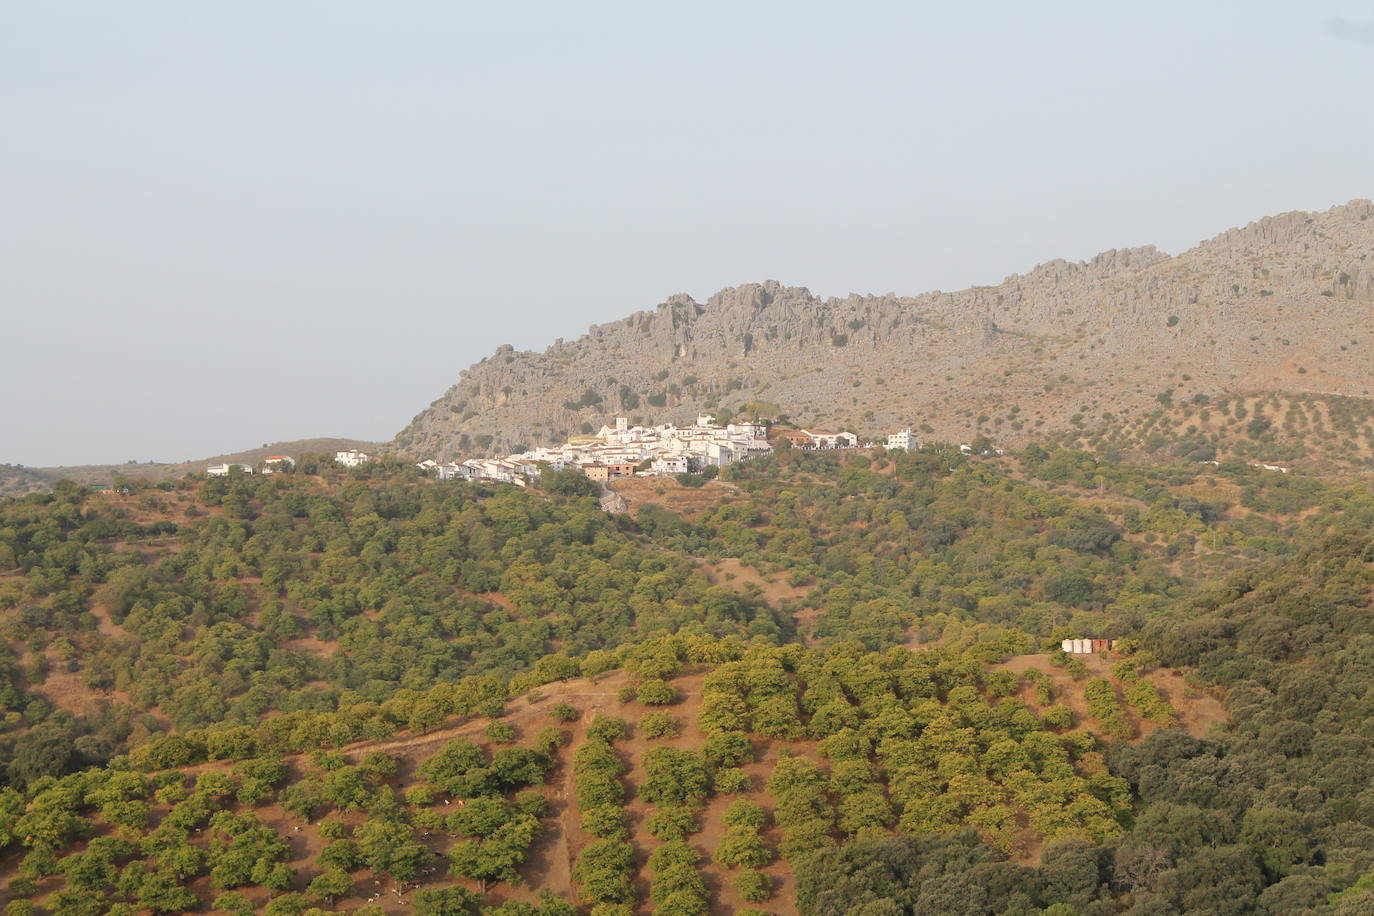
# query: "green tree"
{"type": "Point", "coordinates": [444, 901]}
{"type": "Point", "coordinates": [389, 847]}
{"type": "Point", "coordinates": [329, 885]}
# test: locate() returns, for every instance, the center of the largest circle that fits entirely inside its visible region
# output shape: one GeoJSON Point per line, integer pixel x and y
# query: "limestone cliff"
{"type": "Point", "coordinates": [1283, 304]}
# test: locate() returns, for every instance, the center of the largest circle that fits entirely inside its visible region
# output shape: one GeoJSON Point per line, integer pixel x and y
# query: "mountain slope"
{"type": "Point", "coordinates": [16, 480]}
{"type": "Point", "coordinates": [1278, 305]}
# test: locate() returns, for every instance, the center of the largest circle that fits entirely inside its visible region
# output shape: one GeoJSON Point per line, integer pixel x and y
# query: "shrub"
{"type": "Point", "coordinates": [548, 740]}
{"type": "Point", "coordinates": [672, 823]}
{"type": "Point", "coordinates": [659, 725]}
{"type": "Point", "coordinates": [606, 822]}
{"type": "Point", "coordinates": [500, 732]}
{"type": "Point", "coordinates": [674, 777]}
{"type": "Point", "coordinates": [528, 801]}
{"type": "Point", "coordinates": [607, 728]}
{"type": "Point", "coordinates": [728, 749]}
{"type": "Point", "coordinates": [332, 829]}
{"type": "Point", "coordinates": [605, 872]}
{"type": "Point", "coordinates": [745, 814]}
{"type": "Point", "coordinates": [753, 885]}
{"type": "Point", "coordinates": [1103, 706]}
{"type": "Point", "coordinates": [22, 887]}
{"type": "Point", "coordinates": [674, 852]}
{"type": "Point", "coordinates": [732, 780]}
{"type": "Point", "coordinates": [742, 846]}
{"type": "Point", "coordinates": [657, 692]}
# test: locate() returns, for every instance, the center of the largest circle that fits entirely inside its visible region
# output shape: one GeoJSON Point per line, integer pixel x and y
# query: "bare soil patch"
{"type": "Point", "coordinates": [1198, 711]}
{"type": "Point", "coordinates": [689, 502]}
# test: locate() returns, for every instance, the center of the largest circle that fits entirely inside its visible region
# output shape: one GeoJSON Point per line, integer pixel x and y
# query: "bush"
{"type": "Point", "coordinates": [549, 740]}
{"type": "Point", "coordinates": [753, 885]}
{"type": "Point", "coordinates": [742, 846]}
{"type": "Point", "coordinates": [671, 823]}
{"type": "Point", "coordinates": [233, 902]}
{"type": "Point", "coordinates": [563, 712]}
{"type": "Point", "coordinates": [500, 732]}
{"type": "Point", "coordinates": [22, 887]}
{"type": "Point", "coordinates": [657, 692]}
{"type": "Point", "coordinates": [444, 901]}
{"type": "Point", "coordinates": [332, 829]}
{"type": "Point", "coordinates": [1103, 706]}
{"type": "Point", "coordinates": [674, 777]}
{"type": "Point", "coordinates": [528, 801]}
{"type": "Point", "coordinates": [606, 822]}
{"type": "Point", "coordinates": [745, 814]}
{"type": "Point", "coordinates": [732, 780]}
{"type": "Point", "coordinates": [605, 872]}
{"type": "Point", "coordinates": [607, 728]}
{"type": "Point", "coordinates": [728, 749]}
{"type": "Point", "coordinates": [659, 725]}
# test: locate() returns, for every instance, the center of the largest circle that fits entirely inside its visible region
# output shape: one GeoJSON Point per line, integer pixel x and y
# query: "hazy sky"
{"type": "Point", "coordinates": [224, 224]}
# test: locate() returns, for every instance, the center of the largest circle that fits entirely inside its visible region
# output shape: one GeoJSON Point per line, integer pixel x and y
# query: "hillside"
{"type": "Point", "coordinates": [1280, 305]}
{"type": "Point", "coordinates": [1313, 433]}
{"type": "Point", "coordinates": [16, 480]}
{"type": "Point", "coordinates": [822, 684]}
{"type": "Point", "coordinates": [686, 781]}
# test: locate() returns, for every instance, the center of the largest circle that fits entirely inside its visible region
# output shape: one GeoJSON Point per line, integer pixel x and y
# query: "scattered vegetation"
{"type": "Point", "coordinates": [194, 673]}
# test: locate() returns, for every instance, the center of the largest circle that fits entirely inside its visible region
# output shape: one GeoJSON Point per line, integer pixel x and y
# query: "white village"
{"type": "Point", "coordinates": [620, 451]}
{"type": "Point", "coordinates": [623, 450]}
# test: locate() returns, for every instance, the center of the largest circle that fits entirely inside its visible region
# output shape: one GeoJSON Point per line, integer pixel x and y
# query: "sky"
{"type": "Point", "coordinates": [229, 224]}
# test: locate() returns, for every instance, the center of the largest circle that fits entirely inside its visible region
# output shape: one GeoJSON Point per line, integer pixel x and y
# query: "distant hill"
{"type": "Point", "coordinates": [16, 480]}
{"type": "Point", "coordinates": [1285, 304]}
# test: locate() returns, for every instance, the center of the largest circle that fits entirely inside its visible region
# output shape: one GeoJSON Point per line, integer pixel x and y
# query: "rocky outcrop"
{"type": "Point", "coordinates": [1281, 304]}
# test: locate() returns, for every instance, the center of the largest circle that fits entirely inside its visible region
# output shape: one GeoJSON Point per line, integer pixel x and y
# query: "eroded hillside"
{"type": "Point", "coordinates": [1281, 305]}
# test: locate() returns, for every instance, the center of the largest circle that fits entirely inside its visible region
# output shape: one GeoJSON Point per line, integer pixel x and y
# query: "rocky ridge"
{"type": "Point", "coordinates": [1282, 304]}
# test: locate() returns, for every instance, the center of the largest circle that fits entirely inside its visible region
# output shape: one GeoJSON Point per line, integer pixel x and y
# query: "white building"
{"type": "Point", "coordinates": [618, 449]}
{"type": "Point", "coordinates": [832, 440]}
{"type": "Point", "coordinates": [454, 471]}
{"type": "Point", "coordinates": [352, 458]}
{"type": "Point", "coordinates": [904, 440]}
{"type": "Point", "coordinates": [494, 469]}
{"type": "Point", "coordinates": [1087, 646]}
{"type": "Point", "coordinates": [529, 467]}
{"type": "Point", "coordinates": [746, 431]}
{"type": "Point", "coordinates": [222, 470]}
{"type": "Point", "coordinates": [721, 454]}
{"type": "Point", "coordinates": [668, 465]}
{"type": "Point", "coordinates": [275, 464]}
